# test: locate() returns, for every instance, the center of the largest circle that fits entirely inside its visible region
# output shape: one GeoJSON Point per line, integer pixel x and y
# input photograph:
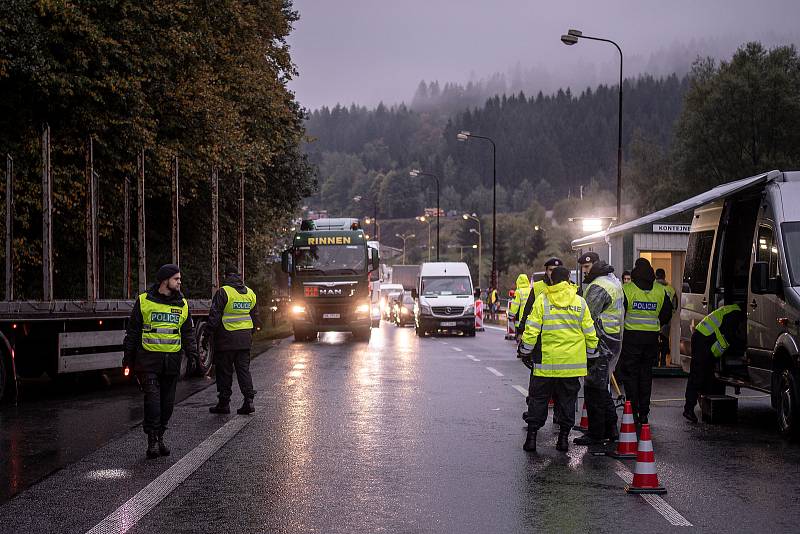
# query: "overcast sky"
{"type": "Point", "coordinates": [367, 51]}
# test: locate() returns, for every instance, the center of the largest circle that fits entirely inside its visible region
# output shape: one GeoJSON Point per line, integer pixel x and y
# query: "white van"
{"type": "Point", "coordinates": [444, 299]}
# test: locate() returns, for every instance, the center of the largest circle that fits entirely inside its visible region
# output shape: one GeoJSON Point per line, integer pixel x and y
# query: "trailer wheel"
{"type": "Point", "coordinates": [204, 349]}
{"type": "Point", "coordinates": [787, 404]}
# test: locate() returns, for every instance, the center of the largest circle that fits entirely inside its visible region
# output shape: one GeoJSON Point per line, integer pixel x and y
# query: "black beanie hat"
{"type": "Point", "coordinates": [165, 272]}
{"type": "Point", "coordinates": [560, 274]}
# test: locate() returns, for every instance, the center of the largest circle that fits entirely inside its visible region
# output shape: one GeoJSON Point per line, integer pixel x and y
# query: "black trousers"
{"type": "Point", "coordinates": [159, 400]}
{"type": "Point", "coordinates": [701, 371]}
{"type": "Point", "coordinates": [225, 362]}
{"type": "Point", "coordinates": [599, 405]}
{"type": "Point", "coordinates": [637, 374]}
{"type": "Point", "coordinates": [663, 349]}
{"type": "Point", "coordinates": [564, 392]}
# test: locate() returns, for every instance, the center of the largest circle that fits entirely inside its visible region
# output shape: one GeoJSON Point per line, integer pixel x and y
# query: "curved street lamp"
{"type": "Point", "coordinates": [404, 237]}
{"type": "Point", "coordinates": [571, 38]}
{"type": "Point", "coordinates": [464, 136]}
{"type": "Point", "coordinates": [475, 218]}
{"type": "Point", "coordinates": [416, 172]}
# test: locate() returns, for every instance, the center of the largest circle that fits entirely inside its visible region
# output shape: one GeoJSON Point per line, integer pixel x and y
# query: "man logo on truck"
{"type": "Point", "coordinates": [341, 240]}
{"type": "Point", "coordinates": [645, 306]}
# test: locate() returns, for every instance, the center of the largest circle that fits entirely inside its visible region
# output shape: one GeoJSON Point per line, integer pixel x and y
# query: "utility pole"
{"type": "Point", "coordinates": [214, 230]}
{"type": "Point", "coordinates": [47, 218]}
{"type": "Point", "coordinates": [9, 228]}
{"type": "Point", "coordinates": [140, 216]}
{"type": "Point", "coordinates": [176, 221]}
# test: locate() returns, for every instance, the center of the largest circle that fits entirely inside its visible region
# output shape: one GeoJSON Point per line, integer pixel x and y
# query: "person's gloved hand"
{"type": "Point", "coordinates": [525, 352]}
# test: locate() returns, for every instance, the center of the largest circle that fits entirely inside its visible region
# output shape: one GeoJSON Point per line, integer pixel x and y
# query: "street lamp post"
{"type": "Point", "coordinates": [423, 219]}
{"type": "Point", "coordinates": [571, 38]}
{"type": "Point", "coordinates": [404, 237]}
{"type": "Point", "coordinates": [416, 172]}
{"type": "Point", "coordinates": [376, 228]}
{"type": "Point", "coordinates": [475, 218]}
{"type": "Point", "coordinates": [465, 136]}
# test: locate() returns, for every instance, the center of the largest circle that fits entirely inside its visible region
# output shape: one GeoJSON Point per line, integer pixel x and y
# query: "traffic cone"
{"type": "Point", "coordinates": [626, 445]}
{"type": "Point", "coordinates": [583, 426]}
{"type": "Point", "coordinates": [645, 479]}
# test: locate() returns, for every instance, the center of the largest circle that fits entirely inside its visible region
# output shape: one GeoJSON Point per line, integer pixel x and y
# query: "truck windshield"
{"type": "Point", "coordinates": [791, 242]}
{"type": "Point", "coordinates": [330, 259]}
{"type": "Point", "coordinates": [446, 285]}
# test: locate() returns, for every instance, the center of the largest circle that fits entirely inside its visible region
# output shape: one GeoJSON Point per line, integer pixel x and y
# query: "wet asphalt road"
{"type": "Point", "coordinates": [409, 435]}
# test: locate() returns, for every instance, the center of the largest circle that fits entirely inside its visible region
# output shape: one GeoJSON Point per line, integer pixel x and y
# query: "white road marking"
{"type": "Point", "coordinates": [457, 349]}
{"type": "Point", "coordinates": [494, 371]}
{"type": "Point", "coordinates": [521, 389]}
{"type": "Point", "coordinates": [494, 327]}
{"type": "Point", "coordinates": [131, 512]}
{"type": "Point", "coordinates": [473, 358]}
{"type": "Point", "coordinates": [668, 512]}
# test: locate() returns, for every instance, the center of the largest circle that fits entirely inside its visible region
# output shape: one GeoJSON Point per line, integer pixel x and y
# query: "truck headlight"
{"type": "Point", "coordinates": [362, 308]}
{"type": "Point", "coordinates": [298, 310]}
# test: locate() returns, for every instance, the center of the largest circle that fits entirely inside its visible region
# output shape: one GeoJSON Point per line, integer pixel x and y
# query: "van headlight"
{"type": "Point", "coordinates": [469, 309]}
{"type": "Point", "coordinates": [424, 309]}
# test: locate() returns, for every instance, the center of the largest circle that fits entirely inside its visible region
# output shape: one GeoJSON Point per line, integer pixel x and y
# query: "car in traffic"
{"type": "Point", "coordinates": [403, 312]}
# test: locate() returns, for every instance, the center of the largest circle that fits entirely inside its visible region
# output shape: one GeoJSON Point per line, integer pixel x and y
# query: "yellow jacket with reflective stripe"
{"type": "Point", "coordinates": [517, 305]}
{"type": "Point", "coordinates": [644, 307]}
{"type": "Point", "coordinates": [538, 288]}
{"type": "Point", "coordinates": [161, 325]}
{"type": "Point", "coordinates": [236, 315]}
{"type": "Point", "coordinates": [614, 314]}
{"type": "Point", "coordinates": [711, 324]}
{"type": "Point", "coordinates": [562, 319]}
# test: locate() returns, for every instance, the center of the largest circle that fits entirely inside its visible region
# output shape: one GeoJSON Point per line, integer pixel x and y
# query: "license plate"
{"type": "Point", "coordinates": [449, 323]}
{"type": "Point", "coordinates": [331, 316]}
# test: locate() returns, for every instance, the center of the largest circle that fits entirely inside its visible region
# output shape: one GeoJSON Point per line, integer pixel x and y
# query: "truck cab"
{"type": "Point", "coordinates": [744, 248]}
{"type": "Point", "coordinates": [444, 299]}
{"type": "Point", "coordinates": [329, 265]}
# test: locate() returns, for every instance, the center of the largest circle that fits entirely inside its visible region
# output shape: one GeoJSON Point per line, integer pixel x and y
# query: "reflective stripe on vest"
{"type": "Point", "coordinates": [643, 307]}
{"type": "Point", "coordinates": [236, 315]}
{"type": "Point", "coordinates": [559, 325]}
{"type": "Point", "coordinates": [161, 325]}
{"type": "Point", "coordinates": [711, 324]}
{"type": "Point", "coordinates": [612, 317]}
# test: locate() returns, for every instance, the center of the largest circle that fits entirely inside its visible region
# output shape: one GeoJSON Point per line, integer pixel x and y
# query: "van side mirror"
{"type": "Point", "coordinates": [414, 293]}
{"type": "Point", "coordinates": [286, 261]}
{"type": "Point", "coordinates": [759, 278]}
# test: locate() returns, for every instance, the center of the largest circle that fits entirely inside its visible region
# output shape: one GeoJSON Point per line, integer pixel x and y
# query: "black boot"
{"type": "Point", "coordinates": [612, 434]}
{"type": "Point", "coordinates": [689, 414]}
{"type": "Point", "coordinates": [221, 407]}
{"type": "Point", "coordinates": [563, 440]}
{"type": "Point", "coordinates": [163, 450]}
{"type": "Point", "coordinates": [152, 445]}
{"type": "Point", "coordinates": [247, 407]}
{"type": "Point", "coordinates": [530, 440]}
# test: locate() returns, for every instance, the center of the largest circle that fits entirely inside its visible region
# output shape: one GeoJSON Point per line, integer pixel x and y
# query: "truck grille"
{"type": "Point", "coordinates": [448, 311]}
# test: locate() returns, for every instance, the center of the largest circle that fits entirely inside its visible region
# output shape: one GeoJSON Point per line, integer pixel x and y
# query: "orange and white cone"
{"type": "Point", "coordinates": [626, 445]}
{"type": "Point", "coordinates": [645, 478]}
{"type": "Point", "coordinates": [583, 426]}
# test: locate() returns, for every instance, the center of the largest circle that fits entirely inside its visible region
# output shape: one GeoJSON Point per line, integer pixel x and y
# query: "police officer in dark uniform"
{"type": "Point", "coordinates": [159, 331]}
{"type": "Point", "coordinates": [231, 320]}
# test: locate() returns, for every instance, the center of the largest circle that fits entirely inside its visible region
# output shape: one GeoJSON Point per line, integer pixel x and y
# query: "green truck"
{"type": "Point", "coordinates": [329, 264]}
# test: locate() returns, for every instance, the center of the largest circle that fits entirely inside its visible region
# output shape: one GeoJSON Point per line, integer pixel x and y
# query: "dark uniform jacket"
{"type": "Point", "coordinates": [235, 339]}
{"type": "Point", "coordinates": [145, 361]}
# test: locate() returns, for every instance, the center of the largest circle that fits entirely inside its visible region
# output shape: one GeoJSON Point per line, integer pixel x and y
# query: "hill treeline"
{"type": "Point", "coordinates": [548, 146]}
{"type": "Point", "coordinates": [201, 81]}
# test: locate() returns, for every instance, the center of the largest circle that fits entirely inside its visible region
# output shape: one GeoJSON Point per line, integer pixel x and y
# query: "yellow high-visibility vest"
{"type": "Point", "coordinates": [236, 315]}
{"type": "Point", "coordinates": [161, 325]}
{"type": "Point", "coordinates": [643, 307]}
{"type": "Point", "coordinates": [711, 324]}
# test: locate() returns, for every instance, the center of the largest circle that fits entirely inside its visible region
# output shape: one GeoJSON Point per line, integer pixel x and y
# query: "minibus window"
{"type": "Point", "coordinates": [698, 255]}
{"type": "Point", "coordinates": [791, 245]}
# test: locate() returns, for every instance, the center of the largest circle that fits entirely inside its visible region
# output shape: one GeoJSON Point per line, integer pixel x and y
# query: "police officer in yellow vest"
{"type": "Point", "coordinates": [606, 300]}
{"type": "Point", "coordinates": [159, 330]}
{"type": "Point", "coordinates": [721, 332]}
{"type": "Point", "coordinates": [563, 321]}
{"type": "Point", "coordinates": [647, 309]}
{"type": "Point", "coordinates": [663, 338]}
{"type": "Point", "coordinates": [517, 304]}
{"type": "Point", "coordinates": [232, 319]}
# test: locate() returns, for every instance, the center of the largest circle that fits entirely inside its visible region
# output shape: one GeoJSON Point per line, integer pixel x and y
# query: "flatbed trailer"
{"type": "Point", "coordinates": [66, 337]}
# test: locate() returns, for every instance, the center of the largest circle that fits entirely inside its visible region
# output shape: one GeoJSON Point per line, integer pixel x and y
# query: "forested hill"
{"type": "Point", "coordinates": [547, 147]}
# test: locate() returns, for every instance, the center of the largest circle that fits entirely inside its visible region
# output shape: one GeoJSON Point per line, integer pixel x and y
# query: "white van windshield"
{"type": "Point", "coordinates": [446, 285]}
{"type": "Point", "coordinates": [791, 242]}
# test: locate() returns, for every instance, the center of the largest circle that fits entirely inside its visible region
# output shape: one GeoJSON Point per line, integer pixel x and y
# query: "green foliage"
{"type": "Point", "coordinates": [204, 81]}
